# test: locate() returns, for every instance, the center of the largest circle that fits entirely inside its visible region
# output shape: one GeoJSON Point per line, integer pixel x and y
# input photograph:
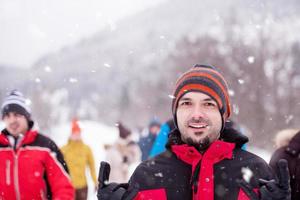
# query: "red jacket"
{"type": "Point", "coordinates": [29, 169]}
{"type": "Point", "coordinates": [181, 172]}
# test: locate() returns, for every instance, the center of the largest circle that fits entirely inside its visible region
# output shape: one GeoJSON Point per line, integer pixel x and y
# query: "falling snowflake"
{"type": "Point", "coordinates": [107, 65]}
{"type": "Point", "coordinates": [37, 174]}
{"type": "Point", "coordinates": [258, 26]}
{"type": "Point", "coordinates": [37, 80]}
{"type": "Point", "coordinates": [158, 174]}
{"type": "Point", "coordinates": [48, 69]}
{"type": "Point", "coordinates": [28, 102]}
{"type": "Point", "coordinates": [251, 59]}
{"type": "Point", "coordinates": [73, 80]}
{"type": "Point", "coordinates": [171, 96]}
{"type": "Point", "coordinates": [288, 119]}
{"type": "Point", "coordinates": [241, 81]}
{"type": "Point", "coordinates": [247, 174]}
{"type": "Point", "coordinates": [231, 92]}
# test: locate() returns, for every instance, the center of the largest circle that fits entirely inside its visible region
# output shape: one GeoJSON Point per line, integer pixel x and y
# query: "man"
{"type": "Point", "coordinates": [79, 156]}
{"type": "Point", "coordinates": [290, 150]}
{"type": "Point", "coordinates": [31, 165]}
{"type": "Point", "coordinates": [200, 163]}
{"type": "Point", "coordinates": [147, 141]}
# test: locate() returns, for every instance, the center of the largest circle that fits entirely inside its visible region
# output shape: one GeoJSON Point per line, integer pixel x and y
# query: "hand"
{"type": "Point", "coordinates": [272, 190]}
{"type": "Point", "coordinates": [111, 191]}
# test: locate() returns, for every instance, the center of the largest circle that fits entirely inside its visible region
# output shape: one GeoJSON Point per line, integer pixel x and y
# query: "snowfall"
{"type": "Point", "coordinates": [96, 134]}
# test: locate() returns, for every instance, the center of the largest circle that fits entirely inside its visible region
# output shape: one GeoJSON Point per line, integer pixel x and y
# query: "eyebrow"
{"type": "Point", "coordinates": [185, 99]}
{"type": "Point", "coordinates": [208, 99]}
{"type": "Point", "coordinates": [189, 99]}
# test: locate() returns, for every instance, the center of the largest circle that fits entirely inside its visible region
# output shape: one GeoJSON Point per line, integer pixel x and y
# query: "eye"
{"type": "Point", "coordinates": [210, 104]}
{"type": "Point", "coordinates": [17, 115]}
{"type": "Point", "coordinates": [185, 103]}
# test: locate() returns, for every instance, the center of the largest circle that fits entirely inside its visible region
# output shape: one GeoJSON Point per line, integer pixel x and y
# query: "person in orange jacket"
{"type": "Point", "coordinates": [78, 157]}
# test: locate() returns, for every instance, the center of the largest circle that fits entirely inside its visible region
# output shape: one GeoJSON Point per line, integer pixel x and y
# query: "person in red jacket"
{"type": "Point", "coordinates": [202, 162]}
{"type": "Point", "coordinates": [31, 165]}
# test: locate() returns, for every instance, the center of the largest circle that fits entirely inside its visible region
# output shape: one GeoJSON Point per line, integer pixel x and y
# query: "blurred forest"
{"type": "Point", "coordinates": [129, 73]}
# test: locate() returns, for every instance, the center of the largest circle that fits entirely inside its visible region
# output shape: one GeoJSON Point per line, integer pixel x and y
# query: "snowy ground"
{"type": "Point", "coordinates": [96, 134]}
{"type": "Point", "coordinates": [266, 155]}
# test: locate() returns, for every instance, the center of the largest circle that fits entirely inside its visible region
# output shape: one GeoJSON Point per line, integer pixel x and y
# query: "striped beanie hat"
{"type": "Point", "coordinates": [205, 79]}
{"type": "Point", "coordinates": [15, 102]}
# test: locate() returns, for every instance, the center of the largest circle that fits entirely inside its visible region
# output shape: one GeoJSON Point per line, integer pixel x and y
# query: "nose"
{"type": "Point", "coordinates": [197, 112]}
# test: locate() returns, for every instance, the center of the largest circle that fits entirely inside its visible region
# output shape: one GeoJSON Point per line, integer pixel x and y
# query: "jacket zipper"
{"type": "Point", "coordinates": [195, 177]}
{"type": "Point", "coordinates": [16, 176]}
{"type": "Point", "coordinates": [8, 181]}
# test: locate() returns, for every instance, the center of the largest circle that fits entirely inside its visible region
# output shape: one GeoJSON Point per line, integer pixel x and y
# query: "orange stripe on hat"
{"type": "Point", "coordinates": [201, 88]}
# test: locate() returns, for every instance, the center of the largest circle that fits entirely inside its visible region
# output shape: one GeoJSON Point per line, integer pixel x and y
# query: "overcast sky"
{"type": "Point", "coordinates": [31, 28]}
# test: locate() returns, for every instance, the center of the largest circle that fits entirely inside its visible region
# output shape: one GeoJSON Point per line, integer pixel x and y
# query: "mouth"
{"type": "Point", "coordinates": [14, 126]}
{"type": "Point", "coordinates": [197, 125]}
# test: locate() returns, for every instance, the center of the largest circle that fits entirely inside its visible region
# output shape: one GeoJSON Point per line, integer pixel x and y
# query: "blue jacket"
{"type": "Point", "coordinates": [160, 141]}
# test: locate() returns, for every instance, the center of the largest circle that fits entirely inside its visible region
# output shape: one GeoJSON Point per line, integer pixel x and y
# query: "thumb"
{"type": "Point", "coordinates": [104, 172]}
{"type": "Point", "coordinates": [284, 175]}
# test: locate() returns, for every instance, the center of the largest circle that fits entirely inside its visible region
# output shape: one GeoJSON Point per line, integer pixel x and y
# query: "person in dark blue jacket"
{"type": "Point", "coordinates": [147, 141]}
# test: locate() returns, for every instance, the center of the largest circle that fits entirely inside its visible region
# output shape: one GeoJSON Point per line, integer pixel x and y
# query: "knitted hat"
{"type": "Point", "coordinates": [124, 132]}
{"type": "Point", "coordinates": [15, 102]}
{"type": "Point", "coordinates": [75, 127]}
{"type": "Point", "coordinates": [154, 122]}
{"type": "Point", "coordinates": [205, 79]}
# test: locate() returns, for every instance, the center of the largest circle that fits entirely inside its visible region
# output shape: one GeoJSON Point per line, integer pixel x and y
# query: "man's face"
{"type": "Point", "coordinates": [198, 118]}
{"type": "Point", "coordinates": [15, 123]}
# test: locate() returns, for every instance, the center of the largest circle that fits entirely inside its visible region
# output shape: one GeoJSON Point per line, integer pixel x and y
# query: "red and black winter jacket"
{"type": "Point", "coordinates": [32, 168]}
{"type": "Point", "coordinates": [181, 172]}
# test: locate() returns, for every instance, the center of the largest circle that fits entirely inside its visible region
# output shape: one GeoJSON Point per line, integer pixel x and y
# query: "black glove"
{"type": "Point", "coordinates": [271, 190]}
{"type": "Point", "coordinates": [111, 191]}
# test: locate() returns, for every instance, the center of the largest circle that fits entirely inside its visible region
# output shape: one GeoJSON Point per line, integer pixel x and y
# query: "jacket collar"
{"type": "Point", "coordinates": [294, 146]}
{"type": "Point", "coordinates": [228, 135]}
{"type": "Point", "coordinates": [202, 178]}
{"type": "Point", "coordinates": [28, 138]}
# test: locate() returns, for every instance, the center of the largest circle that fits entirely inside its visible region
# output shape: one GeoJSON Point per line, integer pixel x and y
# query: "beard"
{"type": "Point", "coordinates": [201, 146]}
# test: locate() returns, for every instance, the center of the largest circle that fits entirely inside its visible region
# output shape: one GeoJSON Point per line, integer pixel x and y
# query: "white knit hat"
{"type": "Point", "coordinates": [15, 102]}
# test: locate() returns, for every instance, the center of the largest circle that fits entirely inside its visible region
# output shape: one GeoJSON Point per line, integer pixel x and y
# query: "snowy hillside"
{"type": "Point", "coordinates": [127, 70]}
